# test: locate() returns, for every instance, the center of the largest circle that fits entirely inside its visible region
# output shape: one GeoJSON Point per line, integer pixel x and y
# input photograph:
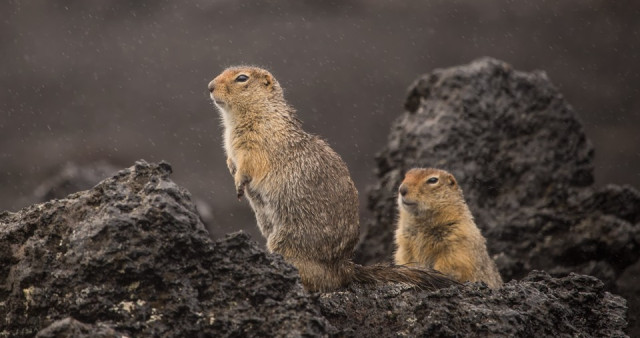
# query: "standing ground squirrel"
{"type": "Point", "coordinates": [305, 203]}
{"type": "Point", "coordinates": [436, 229]}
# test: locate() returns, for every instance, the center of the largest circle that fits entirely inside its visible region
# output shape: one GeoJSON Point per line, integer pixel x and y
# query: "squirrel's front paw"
{"type": "Point", "coordinates": [241, 186]}
{"type": "Point", "coordinates": [240, 191]}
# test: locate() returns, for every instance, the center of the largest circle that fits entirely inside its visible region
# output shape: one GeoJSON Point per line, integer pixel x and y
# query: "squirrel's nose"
{"type": "Point", "coordinates": [212, 86]}
{"type": "Point", "coordinates": [403, 189]}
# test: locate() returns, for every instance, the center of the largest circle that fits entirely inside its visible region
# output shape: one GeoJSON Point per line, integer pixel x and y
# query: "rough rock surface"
{"type": "Point", "coordinates": [73, 177]}
{"type": "Point", "coordinates": [132, 255]}
{"type": "Point", "coordinates": [525, 165]}
{"type": "Point", "coordinates": [537, 306]}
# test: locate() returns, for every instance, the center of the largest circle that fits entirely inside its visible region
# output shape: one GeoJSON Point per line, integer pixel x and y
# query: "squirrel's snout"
{"type": "Point", "coordinates": [403, 189]}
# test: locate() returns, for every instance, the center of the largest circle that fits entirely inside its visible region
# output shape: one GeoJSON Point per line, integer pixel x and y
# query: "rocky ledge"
{"type": "Point", "coordinates": [130, 257]}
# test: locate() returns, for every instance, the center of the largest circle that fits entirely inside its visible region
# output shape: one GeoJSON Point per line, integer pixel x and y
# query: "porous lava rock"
{"type": "Point", "coordinates": [537, 306]}
{"type": "Point", "coordinates": [522, 158]}
{"type": "Point", "coordinates": [132, 255]}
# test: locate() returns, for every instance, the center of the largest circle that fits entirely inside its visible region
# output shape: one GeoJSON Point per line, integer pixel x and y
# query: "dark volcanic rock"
{"type": "Point", "coordinates": [524, 163]}
{"type": "Point", "coordinates": [74, 177]}
{"type": "Point", "coordinates": [537, 306]}
{"type": "Point", "coordinates": [132, 255]}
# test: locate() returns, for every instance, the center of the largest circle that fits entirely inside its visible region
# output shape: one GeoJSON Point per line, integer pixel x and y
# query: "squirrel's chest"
{"type": "Point", "coordinates": [228, 141]}
{"type": "Point", "coordinates": [424, 243]}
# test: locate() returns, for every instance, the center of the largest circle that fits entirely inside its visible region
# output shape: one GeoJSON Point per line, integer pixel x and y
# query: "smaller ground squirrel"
{"type": "Point", "coordinates": [300, 190]}
{"type": "Point", "coordinates": [436, 229]}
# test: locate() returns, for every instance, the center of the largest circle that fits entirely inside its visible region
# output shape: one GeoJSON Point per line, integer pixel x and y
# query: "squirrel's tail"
{"type": "Point", "coordinates": [425, 278]}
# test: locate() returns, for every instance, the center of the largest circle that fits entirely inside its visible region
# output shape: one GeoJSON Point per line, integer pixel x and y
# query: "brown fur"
{"type": "Point", "coordinates": [300, 190]}
{"type": "Point", "coordinates": [436, 229]}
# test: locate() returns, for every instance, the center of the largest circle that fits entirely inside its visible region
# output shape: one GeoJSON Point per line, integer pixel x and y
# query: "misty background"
{"type": "Point", "coordinates": [90, 81]}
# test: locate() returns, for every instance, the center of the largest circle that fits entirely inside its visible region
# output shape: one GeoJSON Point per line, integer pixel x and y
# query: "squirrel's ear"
{"type": "Point", "coordinates": [267, 80]}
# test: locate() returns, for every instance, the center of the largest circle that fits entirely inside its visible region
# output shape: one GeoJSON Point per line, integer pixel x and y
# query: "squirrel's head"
{"type": "Point", "coordinates": [427, 189]}
{"type": "Point", "coordinates": [243, 88]}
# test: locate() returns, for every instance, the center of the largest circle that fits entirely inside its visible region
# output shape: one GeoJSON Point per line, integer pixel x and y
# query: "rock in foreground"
{"type": "Point", "coordinates": [537, 306]}
{"type": "Point", "coordinates": [130, 257]}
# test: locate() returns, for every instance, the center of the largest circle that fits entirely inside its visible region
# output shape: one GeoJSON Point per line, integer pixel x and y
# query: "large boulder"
{"type": "Point", "coordinates": [132, 255]}
{"type": "Point", "coordinates": [525, 165]}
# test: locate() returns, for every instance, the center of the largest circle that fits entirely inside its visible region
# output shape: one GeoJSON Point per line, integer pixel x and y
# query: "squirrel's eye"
{"type": "Point", "coordinates": [242, 78]}
{"type": "Point", "coordinates": [432, 180]}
